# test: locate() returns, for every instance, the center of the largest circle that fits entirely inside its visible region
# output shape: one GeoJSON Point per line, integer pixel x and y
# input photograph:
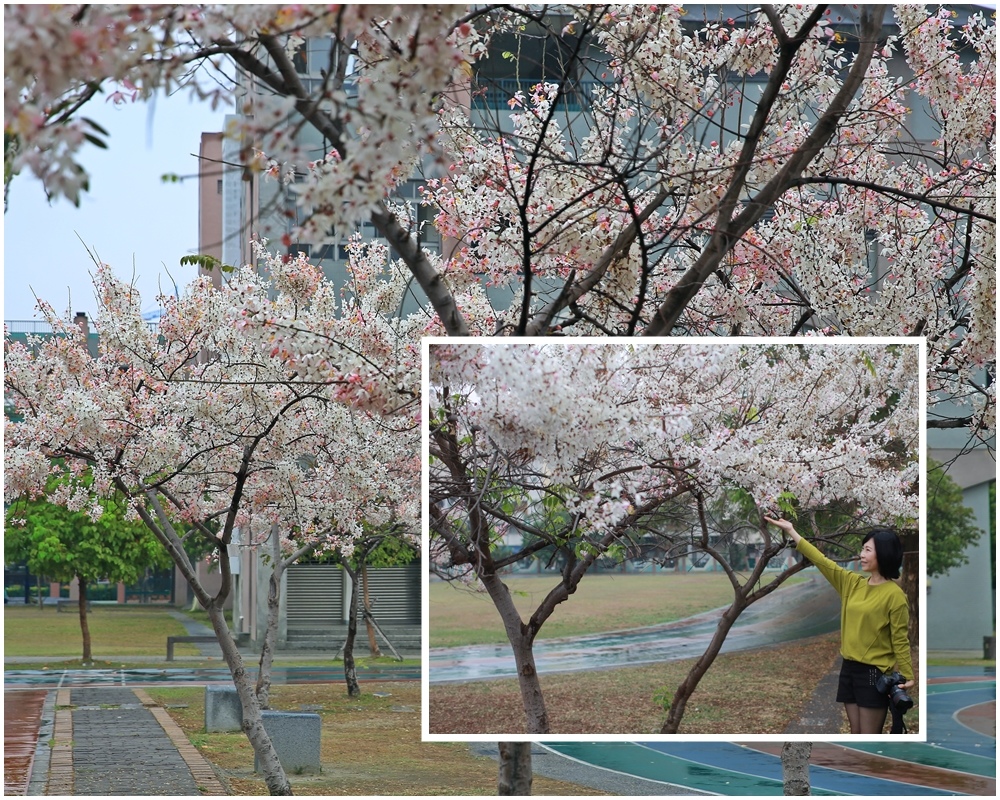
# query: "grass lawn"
{"type": "Point", "coordinates": [368, 745]}
{"type": "Point", "coordinates": [136, 631]}
{"type": "Point", "coordinates": [460, 615]}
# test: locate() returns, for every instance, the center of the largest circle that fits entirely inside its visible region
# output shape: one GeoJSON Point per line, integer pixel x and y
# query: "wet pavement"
{"type": "Point", "coordinates": [794, 612]}
{"type": "Point", "coordinates": [22, 712]}
{"type": "Point", "coordinates": [155, 676]}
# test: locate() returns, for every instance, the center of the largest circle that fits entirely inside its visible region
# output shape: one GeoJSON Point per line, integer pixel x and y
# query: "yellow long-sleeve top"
{"type": "Point", "coordinates": [873, 619]}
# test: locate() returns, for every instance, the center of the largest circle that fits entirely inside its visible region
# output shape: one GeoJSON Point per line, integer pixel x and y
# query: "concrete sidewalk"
{"type": "Point", "coordinates": [822, 714]}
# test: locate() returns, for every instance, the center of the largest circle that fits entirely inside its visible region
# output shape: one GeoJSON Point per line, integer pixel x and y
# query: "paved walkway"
{"type": "Point", "coordinates": [822, 714]}
{"type": "Point", "coordinates": [796, 612]}
{"type": "Point", "coordinates": [115, 741]}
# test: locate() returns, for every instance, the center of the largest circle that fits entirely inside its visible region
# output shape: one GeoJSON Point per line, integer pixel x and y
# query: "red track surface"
{"type": "Point", "coordinates": [982, 718]}
{"type": "Point", "coordinates": [22, 712]}
{"type": "Point", "coordinates": [837, 757]}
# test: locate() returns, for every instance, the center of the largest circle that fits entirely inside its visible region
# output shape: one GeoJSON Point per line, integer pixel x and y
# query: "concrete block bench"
{"type": "Point", "coordinates": [223, 710]}
{"type": "Point", "coordinates": [295, 737]}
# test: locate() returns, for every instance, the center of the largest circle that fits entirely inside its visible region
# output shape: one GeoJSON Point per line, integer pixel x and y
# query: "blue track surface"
{"type": "Point", "coordinates": [955, 760]}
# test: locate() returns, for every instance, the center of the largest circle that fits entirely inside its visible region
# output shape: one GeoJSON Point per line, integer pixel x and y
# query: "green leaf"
{"type": "Point", "coordinates": [787, 502]}
{"type": "Point", "coordinates": [206, 262]}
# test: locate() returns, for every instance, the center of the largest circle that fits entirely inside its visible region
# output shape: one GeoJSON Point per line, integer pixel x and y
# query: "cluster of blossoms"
{"type": "Point", "coordinates": [728, 156]}
{"type": "Point", "coordinates": [614, 426]}
{"type": "Point", "coordinates": [387, 111]}
{"type": "Point", "coordinates": [210, 409]}
{"type": "Point", "coordinates": [877, 236]}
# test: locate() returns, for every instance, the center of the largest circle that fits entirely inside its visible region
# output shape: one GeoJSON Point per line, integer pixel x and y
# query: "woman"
{"type": "Point", "coordinates": [873, 624]}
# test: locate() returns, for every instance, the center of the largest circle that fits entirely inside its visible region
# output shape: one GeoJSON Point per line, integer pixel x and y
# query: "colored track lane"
{"type": "Point", "coordinates": [22, 712]}
{"type": "Point", "coordinates": [958, 758]}
{"type": "Point", "coordinates": [844, 778]}
{"type": "Point", "coordinates": [885, 772]}
{"type": "Point", "coordinates": [648, 761]}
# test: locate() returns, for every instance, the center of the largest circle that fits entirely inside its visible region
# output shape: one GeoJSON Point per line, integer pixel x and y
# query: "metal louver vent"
{"type": "Point", "coordinates": [394, 593]}
{"type": "Point", "coordinates": [314, 596]}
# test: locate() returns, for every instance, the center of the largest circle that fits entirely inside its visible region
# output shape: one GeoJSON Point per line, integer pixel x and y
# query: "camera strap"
{"type": "Point", "coordinates": [898, 725]}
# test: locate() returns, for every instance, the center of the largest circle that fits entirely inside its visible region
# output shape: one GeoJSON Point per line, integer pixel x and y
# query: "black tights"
{"type": "Point", "coordinates": [865, 720]}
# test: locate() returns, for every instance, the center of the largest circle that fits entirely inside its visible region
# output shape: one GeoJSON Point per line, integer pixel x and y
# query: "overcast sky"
{"type": "Point", "coordinates": [130, 218]}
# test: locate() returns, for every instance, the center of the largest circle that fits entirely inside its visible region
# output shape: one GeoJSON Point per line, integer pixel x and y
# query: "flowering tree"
{"type": "Point", "coordinates": [211, 424]}
{"type": "Point", "coordinates": [764, 175]}
{"type": "Point", "coordinates": [580, 445]}
{"type": "Point", "coordinates": [761, 176]}
{"type": "Point", "coordinates": [664, 174]}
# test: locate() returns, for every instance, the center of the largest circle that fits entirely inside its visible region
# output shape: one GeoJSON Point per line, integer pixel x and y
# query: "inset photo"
{"type": "Point", "coordinates": [692, 538]}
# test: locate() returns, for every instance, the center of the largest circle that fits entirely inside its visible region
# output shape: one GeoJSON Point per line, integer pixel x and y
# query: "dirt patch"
{"type": "Point", "coordinates": [760, 691]}
{"type": "Point", "coordinates": [369, 745]}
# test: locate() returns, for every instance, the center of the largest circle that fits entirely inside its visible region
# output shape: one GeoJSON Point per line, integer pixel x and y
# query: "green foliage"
{"type": "Point", "coordinates": [205, 262]}
{"type": "Point", "coordinates": [64, 544]}
{"type": "Point", "coordinates": [951, 526]}
{"type": "Point", "coordinates": [664, 698]}
{"type": "Point", "coordinates": [392, 551]}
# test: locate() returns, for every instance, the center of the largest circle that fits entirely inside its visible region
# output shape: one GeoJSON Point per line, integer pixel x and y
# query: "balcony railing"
{"type": "Point", "coordinates": [23, 327]}
{"type": "Point", "coordinates": [497, 92]}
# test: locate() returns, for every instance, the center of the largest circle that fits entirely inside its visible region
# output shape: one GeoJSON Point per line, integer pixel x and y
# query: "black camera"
{"type": "Point", "coordinates": [890, 684]}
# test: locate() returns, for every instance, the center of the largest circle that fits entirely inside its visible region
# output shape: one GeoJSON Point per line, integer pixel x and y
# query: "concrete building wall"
{"type": "Point", "coordinates": [961, 604]}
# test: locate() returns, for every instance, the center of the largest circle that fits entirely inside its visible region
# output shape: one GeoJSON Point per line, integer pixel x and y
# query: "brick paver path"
{"type": "Point", "coordinates": [122, 747]}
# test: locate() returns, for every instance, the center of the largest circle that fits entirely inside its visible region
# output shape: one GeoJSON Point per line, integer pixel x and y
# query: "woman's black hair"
{"type": "Point", "coordinates": [888, 552]}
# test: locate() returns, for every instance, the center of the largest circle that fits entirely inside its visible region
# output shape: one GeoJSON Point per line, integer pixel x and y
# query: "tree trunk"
{"type": "Point", "coordinates": [795, 767]}
{"type": "Point", "coordinates": [350, 671]}
{"type": "Point", "coordinates": [263, 687]}
{"type": "Point", "coordinates": [536, 718]}
{"type": "Point", "coordinates": [84, 626]}
{"type": "Point", "coordinates": [253, 724]}
{"type": "Point", "coordinates": [514, 775]}
{"type": "Point", "coordinates": [910, 583]}
{"type": "Point", "coordinates": [372, 641]}
{"type": "Point", "coordinates": [697, 672]}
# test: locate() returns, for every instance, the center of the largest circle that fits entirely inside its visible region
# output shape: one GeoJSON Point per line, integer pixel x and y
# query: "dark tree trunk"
{"type": "Point", "coordinates": [514, 776]}
{"type": "Point", "coordinates": [84, 626]}
{"type": "Point", "coordinates": [909, 580]}
{"type": "Point", "coordinates": [350, 671]}
{"type": "Point", "coordinates": [521, 638]}
{"type": "Point", "coordinates": [697, 672]}
{"type": "Point", "coordinates": [795, 767]}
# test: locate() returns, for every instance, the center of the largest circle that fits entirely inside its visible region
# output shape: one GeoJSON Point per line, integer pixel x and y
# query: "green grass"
{"type": "Point", "coordinates": [143, 631]}
{"type": "Point", "coordinates": [462, 616]}
{"type": "Point", "coordinates": [943, 661]}
{"type": "Point", "coordinates": [137, 635]}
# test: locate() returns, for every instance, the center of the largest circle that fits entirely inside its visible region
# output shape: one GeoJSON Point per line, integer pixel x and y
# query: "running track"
{"type": "Point", "coordinates": [958, 758]}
